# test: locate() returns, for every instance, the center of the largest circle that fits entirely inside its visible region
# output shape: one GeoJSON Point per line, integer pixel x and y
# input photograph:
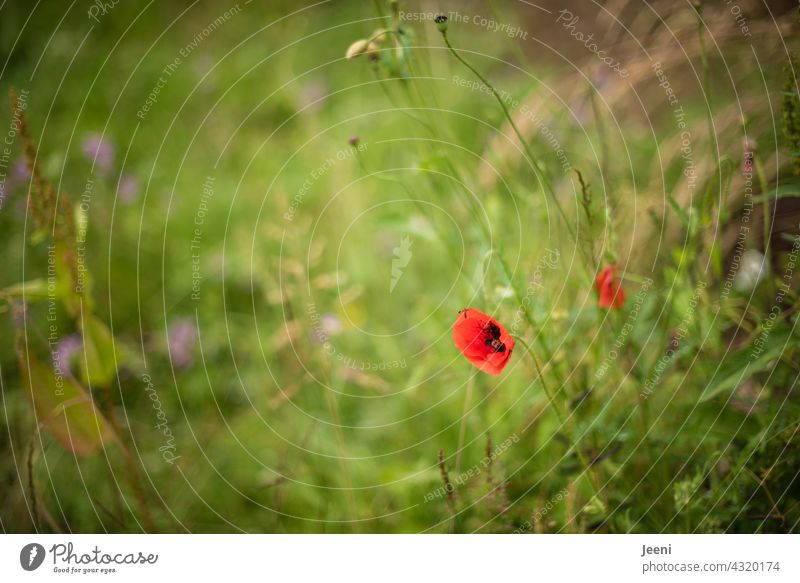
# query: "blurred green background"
{"type": "Point", "coordinates": [242, 253]}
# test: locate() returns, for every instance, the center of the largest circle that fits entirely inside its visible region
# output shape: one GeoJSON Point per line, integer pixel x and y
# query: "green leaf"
{"type": "Point", "coordinates": [63, 408]}
{"type": "Point", "coordinates": [33, 291]}
{"type": "Point", "coordinates": [741, 365]}
{"type": "Point", "coordinates": [682, 214]}
{"type": "Point", "coordinates": [97, 363]}
{"type": "Point", "coordinates": [783, 191]}
{"type": "Point", "coordinates": [72, 281]}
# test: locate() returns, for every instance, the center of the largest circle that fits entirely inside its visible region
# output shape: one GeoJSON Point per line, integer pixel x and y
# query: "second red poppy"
{"type": "Point", "coordinates": [609, 287]}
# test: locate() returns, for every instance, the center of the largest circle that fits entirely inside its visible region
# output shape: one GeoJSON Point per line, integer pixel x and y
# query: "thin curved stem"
{"type": "Point", "coordinates": [549, 394]}
{"type": "Point", "coordinates": [536, 170]}
{"type": "Point", "coordinates": [550, 397]}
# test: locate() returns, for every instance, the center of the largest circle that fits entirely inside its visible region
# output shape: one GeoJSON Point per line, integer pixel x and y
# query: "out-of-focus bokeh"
{"type": "Point", "coordinates": [233, 257]}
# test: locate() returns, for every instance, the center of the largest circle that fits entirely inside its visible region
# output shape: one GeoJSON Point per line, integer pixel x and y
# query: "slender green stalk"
{"type": "Point", "coordinates": [551, 398]}
{"type": "Point", "coordinates": [333, 410]}
{"type": "Point", "coordinates": [523, 59]}
{"type": "Point", "coordinates": [462, 430]}
{"type": "Point", "coordinates": [547, 391]}
{"type": "Point", "coordinates": [131, 466]}
{"type": "Point", "coordinates": [712, 138]}
{"type": "Point", "coordinates": [540, 175]}
{"type": "Point", "coordinates": [378, 9]}
{"type": "Point", "coordinates": [602, 137]}
{"type": "Point", "coordinates": [417, 102]}
{"type": "Point", "coordinates": [32, 485]}
{"type": "Point", "coordinates": [766, 209]}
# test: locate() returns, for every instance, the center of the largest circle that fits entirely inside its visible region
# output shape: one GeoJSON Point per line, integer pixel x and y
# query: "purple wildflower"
{"type": "Point", "coordinates": [330, 324]}
{"type": "Point", "coordinates": [66, 348]}
{"type": "Point", "coordinates": [19, 175]}
{"type": "Point", "coordinates": [128, 188]}
{"type": "Point", "coordinates": [182, 336]}
{"type": "Point", "coordinates": [99, 151]}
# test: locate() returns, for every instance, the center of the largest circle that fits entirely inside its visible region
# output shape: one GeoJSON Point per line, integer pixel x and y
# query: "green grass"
{"type": "Point", "coordinates": [280, 432]}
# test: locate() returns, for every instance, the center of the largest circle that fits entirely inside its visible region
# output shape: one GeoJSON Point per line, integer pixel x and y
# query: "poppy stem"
{"type": "Point", "coordinates": [462, 430]}
{"type": "Point", "coordinates": [573, 445]}
{"type": "Point", "coordinates": [550, 396]}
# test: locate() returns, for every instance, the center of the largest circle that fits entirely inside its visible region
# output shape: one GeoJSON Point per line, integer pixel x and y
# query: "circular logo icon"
{"type": "Point", "coordinates": [31, 556]}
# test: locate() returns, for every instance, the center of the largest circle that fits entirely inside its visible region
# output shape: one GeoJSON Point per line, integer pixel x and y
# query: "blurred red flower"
{"type": "Point", "coordinates": [610, 288]}
{"type": "Point", "coordinates": [482, 340]}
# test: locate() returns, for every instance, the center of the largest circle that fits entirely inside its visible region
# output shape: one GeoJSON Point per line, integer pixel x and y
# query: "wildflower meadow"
{"type": "Point", "coordinates": [399, 266]}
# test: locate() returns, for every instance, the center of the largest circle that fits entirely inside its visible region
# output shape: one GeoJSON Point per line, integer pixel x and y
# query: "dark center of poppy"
{"type": "Point", "coordinates": [492, 332]}
{"type": "Point", "coordinates": [495, 345]}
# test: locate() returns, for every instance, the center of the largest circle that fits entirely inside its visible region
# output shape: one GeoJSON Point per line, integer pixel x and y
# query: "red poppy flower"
{"type": "Point", "coordinates": [483, 340]}
{"type": "Point", "coordinates": [610, 288]}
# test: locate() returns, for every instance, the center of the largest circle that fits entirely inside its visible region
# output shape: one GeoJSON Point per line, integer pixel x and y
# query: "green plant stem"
{"type": "Point", "coordinates": [417, 102]}
{"type": "Point", "coordinates": [515, 47]}
{"type": "Point", "coordinates": [528, 318]}
{"type": "Point", "coordinates": [32, 485]}
{"type": "Point", "coordinates": [462, 430]}
{"type": "Point", "coordinates": [378, 9]}
{"type": "Point", "coordinates": [706, 86]}
{"type": "Point", "coordinates": [333, 410]}
{"type": "Point", "coordinates": [766, 211]}
{"type": "Point", "coordinates": [133, 472]}
{"type": "Point", "coordinates": [551, 398]}
{"type": "Point", "coordinates": [602, 137]}
{"type": "Point", "coordinates": [531, 159]}
{"type": "Point", "coordinates": [136, 487]}
{"type": "Point", "coordinates": [486, 235]}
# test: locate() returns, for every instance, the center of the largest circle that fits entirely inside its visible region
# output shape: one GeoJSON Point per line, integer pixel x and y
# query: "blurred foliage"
{"type": "Point", "coordinates": [243, 363]}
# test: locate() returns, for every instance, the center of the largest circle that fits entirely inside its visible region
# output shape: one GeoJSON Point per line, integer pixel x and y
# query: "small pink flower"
{"type": "Point", "coordinates": [98, 151]}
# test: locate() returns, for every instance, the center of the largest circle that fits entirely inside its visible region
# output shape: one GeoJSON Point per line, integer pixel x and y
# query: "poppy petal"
{"type": "Point", "coordinates": [482, 340]}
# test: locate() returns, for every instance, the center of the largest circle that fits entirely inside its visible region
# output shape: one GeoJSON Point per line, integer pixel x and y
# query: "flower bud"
{"type": "Point", "coordinates": [441, 22]}
{"type": "Point", "coordinates": [379, 35]}
{"type": "Point", "coordinates": [357, 49]}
